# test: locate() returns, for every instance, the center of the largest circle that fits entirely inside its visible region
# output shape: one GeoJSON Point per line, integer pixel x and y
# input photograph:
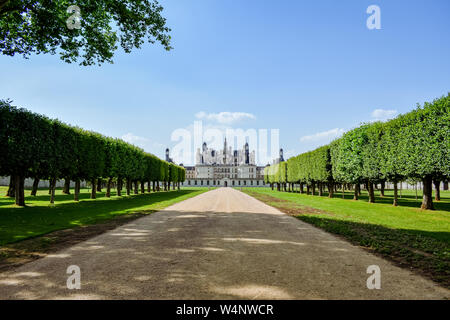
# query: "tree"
{"type": "Point", "coordinates": [34, 146]}
{"type": "Point", "coordinates": [372, 157]}
{"type": "Point", "coordinates": [424, 145]}
{"type": "Point", "coordinates": [349, 159]}
{"type": "Point", "coordinates": [47, 26]}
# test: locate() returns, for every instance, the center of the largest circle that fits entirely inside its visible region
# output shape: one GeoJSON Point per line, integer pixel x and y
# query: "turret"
{"type": "Point", "coordinates": [167, 155]}
{"type": "Point", "coordinates": [247, 154]}
{"type": "Point", "coordinates": [281, 155]}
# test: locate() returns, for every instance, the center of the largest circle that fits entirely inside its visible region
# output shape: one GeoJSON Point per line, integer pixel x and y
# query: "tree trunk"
{"type": "Point", "coordinates": [320, 189]}
{"type": "Point", "coordinates": [94, 189]}
{"type": "Point", "coordinates": [371, 192]}
{"type": "Point", "coordinates": [179, 185]}
{"type": "Point", "coordinates": [445, 185]}
{"type": "Point", "coordinates": [157, 186]}
{"type": "Point", "coordinates": [355, 196]}
{"type": "Point", "coordinates": [99, 185]}
{"type": "Point", "coordinates": [343, 191]}
{"type": "Point", "coordinates": [20, 190]}
{"type": "Point", "coordinates": [395, 194]}
{"type": "Point", "coordinates": [108, 188]}
{"type": "Point", "coordinates": [35, 187]}
{"type": "Point", "coordinates": [271, 185]}
{"type": "Point", "coordinates": [149, 186]}
{"type": "Point", "coordinates": [119, 187]}
{"type": "Point", "coordinates": [52, 190]}
{"type": "Point", "coordinates": [76, 196]}
{"type": "Point", "coordinates": [437, 185]}
{"type": "Point", "coordinates": [427, 202]}
{"type": "Point", "coordinates": [12, 187]}
{"type": "Point", "coordinates": [301, 188]}
{"type": "Point", "coordinates": [128, 187]}
{"type": "Point", "coordinates": [313, 185]}
{"type": "Point", "coordinates": [154, 186]}
{"type": "Point", "coordinates": [142, 187]}
{"type": "Point", "coordinates": [66, 189]}
{"type": "Point", "coordinates": [383, 186]}
{"type": "Point", "coordinates": [136, 187]}
{"type": "Point", "coordinates": [330, 190]}
{"type": "Point", "coordinates": [308, 189]}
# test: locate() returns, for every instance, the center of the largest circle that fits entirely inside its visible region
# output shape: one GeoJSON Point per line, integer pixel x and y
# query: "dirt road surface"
{"type": "Point", "coordinates": [222, 244]}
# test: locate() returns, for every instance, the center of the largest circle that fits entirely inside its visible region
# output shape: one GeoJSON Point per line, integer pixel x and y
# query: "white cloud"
{"type": "Point", "coordinates": [289, 153]}
{"type": "Point", "coordinates": [142, 142]}
{"type": "Point", "coordinates": [325, 136]}
{"type": "Point", "coordinates": [225, 117]}
{"type": "Point", "coordinates": [133, 139]}
{"type": "Point", "coordinates": [383, 115]}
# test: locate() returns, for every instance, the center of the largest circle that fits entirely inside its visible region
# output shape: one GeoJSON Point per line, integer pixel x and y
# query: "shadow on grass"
{"type": "Point", "coordinates": [20, 223]}
{"type": "Point", "coordinates": [426, 252]}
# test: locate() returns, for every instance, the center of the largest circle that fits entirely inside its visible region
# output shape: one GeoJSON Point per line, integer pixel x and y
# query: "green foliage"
{"type": "Point", "coordinates": [28, 27]}
{"type": "Point", "coordinates": [349, 162]}
{"type": "Point", "coordinates": [311, 166]}
{"type": "Point", "coordinates": [34, 146]}
{"type": "Point", "coordinates": [413, 146]}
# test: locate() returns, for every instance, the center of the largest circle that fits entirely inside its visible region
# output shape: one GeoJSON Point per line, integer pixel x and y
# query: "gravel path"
{"type": "Point", "coordinates": [222, 244]}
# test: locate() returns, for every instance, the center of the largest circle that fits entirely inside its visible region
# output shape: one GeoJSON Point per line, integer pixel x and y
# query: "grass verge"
{"type": "Point", "coordinates": [40, 228]}
{"type": "Point", "coordinates": [411, 238]}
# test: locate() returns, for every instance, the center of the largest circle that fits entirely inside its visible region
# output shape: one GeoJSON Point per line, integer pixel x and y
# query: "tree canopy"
{"type": "Point", "coordinates": [31, 145]}
{"type": "Point", "coordinates": [414, 146]}
{"type": "Point", "coordinates": [44, 26]}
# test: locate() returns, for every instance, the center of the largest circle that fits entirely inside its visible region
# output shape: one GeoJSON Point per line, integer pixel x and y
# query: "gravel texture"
{"type": "Point", "coordinates": [222, 244]}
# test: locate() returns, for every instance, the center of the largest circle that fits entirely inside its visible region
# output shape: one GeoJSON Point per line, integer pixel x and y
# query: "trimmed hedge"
{"type": "Point", "coordinates": [34, 146]}
{"type": "Point", "coordinates": [414, 146]}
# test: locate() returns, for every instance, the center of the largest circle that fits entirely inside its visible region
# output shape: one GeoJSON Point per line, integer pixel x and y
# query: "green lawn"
{"type": "Point", "coordinates": [406, 234]}
{"type": "Point", "coordinates": [39, 217]}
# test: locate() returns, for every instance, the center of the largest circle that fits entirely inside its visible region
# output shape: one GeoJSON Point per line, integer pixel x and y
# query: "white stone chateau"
{"type": "Point", "coordinates": [225, 168]}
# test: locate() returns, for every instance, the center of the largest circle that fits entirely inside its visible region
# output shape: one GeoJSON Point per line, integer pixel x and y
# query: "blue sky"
{"type": "Point", "coordinates": [311, 69]}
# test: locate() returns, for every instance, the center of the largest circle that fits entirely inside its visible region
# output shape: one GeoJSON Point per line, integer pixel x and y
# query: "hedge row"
{"type": "Point", "coordinates": [34, 146]}
{"type": "Point", "coordinates": [414, 146]}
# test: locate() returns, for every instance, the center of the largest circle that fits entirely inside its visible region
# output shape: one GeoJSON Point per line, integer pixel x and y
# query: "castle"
{"type": "Point", "coordinates": [224, 168]}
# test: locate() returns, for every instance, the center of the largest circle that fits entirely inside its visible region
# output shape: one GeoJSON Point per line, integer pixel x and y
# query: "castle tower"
{"type": "Point", "coordinates": [225, 151]}
{"type": "Point", "coordinates": [247, 154]}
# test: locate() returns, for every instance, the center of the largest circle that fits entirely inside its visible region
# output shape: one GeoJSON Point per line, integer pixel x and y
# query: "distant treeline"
{"type": "Point", "coordinates": [34, 146]}
{"type": "Point", "coordinates": [414, 147]}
